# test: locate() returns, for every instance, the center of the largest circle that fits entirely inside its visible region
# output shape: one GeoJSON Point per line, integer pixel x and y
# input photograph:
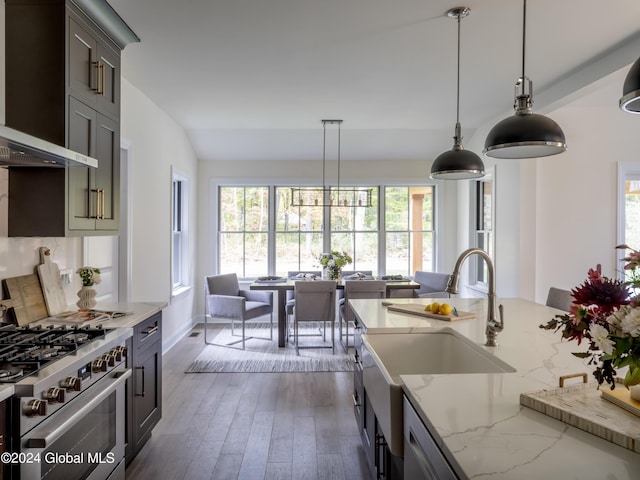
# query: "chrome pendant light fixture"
{"type": "Point", "coordinates": [457, 163]}
{"type": "Point", "coordinates": [630, 101]}
{"type": "Point", "coordinates": [525, 134]}
{"type": "Point", "coordinates": [329, 196]}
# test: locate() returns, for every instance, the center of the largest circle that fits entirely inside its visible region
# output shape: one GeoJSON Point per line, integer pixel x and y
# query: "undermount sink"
{"type": "Point", "coordinates": [386, 356]}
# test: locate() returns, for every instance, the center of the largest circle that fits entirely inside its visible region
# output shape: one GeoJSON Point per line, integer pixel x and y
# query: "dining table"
{"type": "Point", "coordinates": [281, 284]}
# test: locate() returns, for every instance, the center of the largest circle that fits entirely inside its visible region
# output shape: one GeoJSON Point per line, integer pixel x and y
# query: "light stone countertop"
{"type": "Point", "coordinates": [478, 417]}
{"type": "Point", "coordinates": [136, 313]}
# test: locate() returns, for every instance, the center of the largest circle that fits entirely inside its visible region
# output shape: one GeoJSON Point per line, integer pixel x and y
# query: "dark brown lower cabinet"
{"type": "Point", "coordinates": [144, 390]}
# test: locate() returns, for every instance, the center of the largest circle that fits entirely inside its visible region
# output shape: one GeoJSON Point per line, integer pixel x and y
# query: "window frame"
{"type": "Point", "coordinates": [217, 184]}
{"type": "Point", "coordinates": [179, 216]}
{"type": "Point", "coordinates": [476, 221]}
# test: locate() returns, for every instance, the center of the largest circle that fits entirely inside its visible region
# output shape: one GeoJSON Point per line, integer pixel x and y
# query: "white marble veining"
{"type": "Point", "coordinates": [478, 417]}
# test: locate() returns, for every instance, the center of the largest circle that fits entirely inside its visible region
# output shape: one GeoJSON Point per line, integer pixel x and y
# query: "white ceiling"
{"type": "Point", "coordinates": [252, 79]}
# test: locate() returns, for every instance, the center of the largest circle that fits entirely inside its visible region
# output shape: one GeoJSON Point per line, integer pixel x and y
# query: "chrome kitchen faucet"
{"type": "Point", "coordinates": [493, 325]}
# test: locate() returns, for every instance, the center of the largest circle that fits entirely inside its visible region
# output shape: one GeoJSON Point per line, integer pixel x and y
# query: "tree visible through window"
{"type": "Point", "coordinates": [409, 229]}
{"type": "Point", "coordinates": [244, 228]}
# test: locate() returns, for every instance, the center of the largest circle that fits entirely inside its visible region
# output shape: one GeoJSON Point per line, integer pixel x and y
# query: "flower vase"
{"type": "Point", "coordinates": [87, 298]}
{"type": "Point", "coordinates": [634, 391]}
{"type": "Point", "coordinates": [334, 273]}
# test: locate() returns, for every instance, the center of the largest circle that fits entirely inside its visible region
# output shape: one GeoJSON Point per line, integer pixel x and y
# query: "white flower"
{"type": "Point", "coordinates": [96, 278]}
{"type": "Point", "coordinates": [600, 336]}
{"type": "Point", "coordinates": [630, 322]}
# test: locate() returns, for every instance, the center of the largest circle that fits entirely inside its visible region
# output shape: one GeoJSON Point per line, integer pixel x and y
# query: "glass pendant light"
{"type": "Point", "coordinates": [630, 101]}
{"type": "Point", "coordinates": [457, 163]}
{"type": "Point", "coordinates": [525, 134]}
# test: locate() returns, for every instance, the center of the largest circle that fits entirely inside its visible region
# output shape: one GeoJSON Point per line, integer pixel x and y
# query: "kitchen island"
{"type": "Point", "coordinates": [477, 419]}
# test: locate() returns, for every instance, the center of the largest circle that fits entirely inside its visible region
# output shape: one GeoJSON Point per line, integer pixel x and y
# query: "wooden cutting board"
{"type": "Point", "coordinates": [49, 273]}
{"type": "Point", "coordinates": [416, 309]}
{"type": "Point", "coordinates": [24, 294]}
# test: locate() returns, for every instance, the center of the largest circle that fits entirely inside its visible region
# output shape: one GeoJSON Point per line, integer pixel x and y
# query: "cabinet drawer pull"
{"type": "Point", "coordinates": [151, 331]}
{"type": "Point", "coordinates": [141, 394]}
{"type": "Point", "coordinates": [356, 402]}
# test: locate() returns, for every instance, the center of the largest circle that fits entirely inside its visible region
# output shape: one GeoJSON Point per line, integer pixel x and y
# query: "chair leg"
{"type": "Point", "coordinates": [333, 340]}
{"type": "Point", "coordinates": [295, 335]}
{"type": "Point", "coordinates": [271, 331]}
{"type": "Point", "coordinates": [243, 337]}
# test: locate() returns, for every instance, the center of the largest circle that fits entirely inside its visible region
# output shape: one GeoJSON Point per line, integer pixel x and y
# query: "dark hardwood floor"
{"type": "Point", "coordinates": [251, 425]}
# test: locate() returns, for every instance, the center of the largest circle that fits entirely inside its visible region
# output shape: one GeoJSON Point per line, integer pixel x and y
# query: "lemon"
{"type": "Point", "coordinates": [445, 309]}
{"type": "Point", "coordinates": [427, 308]}
{"type": "Point", "coordinates": [435, 307]}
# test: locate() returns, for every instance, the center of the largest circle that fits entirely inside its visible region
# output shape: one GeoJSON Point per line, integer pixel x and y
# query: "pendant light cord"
{"type": "Point", "coordinates": [339, 124]}
{"type": "Point", "coordinates": [324, 152]}
{"type": "Point", "coordinates": [458, 81]}
{"type": "Point", "coordinates": [524, 40]}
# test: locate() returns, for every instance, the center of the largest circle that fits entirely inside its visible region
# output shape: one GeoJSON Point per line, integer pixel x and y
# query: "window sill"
{"type": "Point", "coordinates": [179, 293]}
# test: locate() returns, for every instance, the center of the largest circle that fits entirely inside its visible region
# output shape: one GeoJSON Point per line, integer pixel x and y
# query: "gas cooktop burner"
{"type": "Point", "coordinates": [8, 373]}
{"type": "Point", "coordinates": [24, 350]}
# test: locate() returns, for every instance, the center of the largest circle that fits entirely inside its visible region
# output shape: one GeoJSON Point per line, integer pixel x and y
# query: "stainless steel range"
{"type": "Point", "coordinates": [68, 411]}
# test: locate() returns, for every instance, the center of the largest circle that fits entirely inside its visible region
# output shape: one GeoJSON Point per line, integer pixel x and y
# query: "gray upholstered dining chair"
{"type": "Point", "coordinates": [224, 299]}
{"type": "Point", "coordinates": [291, 294]}
{"type": "Point", "coordinates": [432, 284]}
{"type": "Point", "coordinates": [356, 289]}
{"type": "Point", "coordinates": [315, 302]}
{"type": "Point", "coordinates": [351, 275]}
{"type": "Point", "coordinates": [559, 298]}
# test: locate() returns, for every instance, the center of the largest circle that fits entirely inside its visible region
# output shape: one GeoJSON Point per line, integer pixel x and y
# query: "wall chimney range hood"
{"type": "Point", "coordinates": [18, 149]}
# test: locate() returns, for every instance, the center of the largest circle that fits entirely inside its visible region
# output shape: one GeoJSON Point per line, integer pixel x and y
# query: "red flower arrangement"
{"type": "Point", "coordinates": [605, 314]}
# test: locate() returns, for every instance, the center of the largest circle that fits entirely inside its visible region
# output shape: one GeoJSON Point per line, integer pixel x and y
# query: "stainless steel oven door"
{"type": "Point", "coordinates": [84, 440]}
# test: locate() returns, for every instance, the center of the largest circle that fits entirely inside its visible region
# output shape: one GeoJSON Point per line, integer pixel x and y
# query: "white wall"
{"type": "Point", "coordinates": [156, 143]}
{"type": "Point", "coordinates": [577, 192]}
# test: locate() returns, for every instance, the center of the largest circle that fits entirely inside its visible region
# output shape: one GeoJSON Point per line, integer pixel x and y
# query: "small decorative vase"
{"type": "Point", "coordinates": [87, 296]}
{"type": "Point", "coordinates": [634, 391]}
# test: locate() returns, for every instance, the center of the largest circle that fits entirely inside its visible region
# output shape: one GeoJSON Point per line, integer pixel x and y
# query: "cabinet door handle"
{"type": "Point", "coordinates": [380, 457]}
{"type": "Point", "coordinates": [101, 193]}
{"type": "Point", "coordinates": [97, 205]}
{"type": "Point", "coordinates": [141, 394]}
{"type": "Point", "coordinates": [98, 79]}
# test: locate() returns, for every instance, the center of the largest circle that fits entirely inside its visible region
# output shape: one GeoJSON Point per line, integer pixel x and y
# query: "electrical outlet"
{"type": "Point", "coordinates": [65, 276]}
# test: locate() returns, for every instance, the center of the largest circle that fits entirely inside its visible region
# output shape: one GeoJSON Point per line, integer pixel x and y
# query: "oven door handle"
{"type": "Point", "coordinates": [42, 438]}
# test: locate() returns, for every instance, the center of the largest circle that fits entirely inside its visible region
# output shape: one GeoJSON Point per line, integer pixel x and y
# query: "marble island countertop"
{"type": "Point", "coordinates": [478, 417]}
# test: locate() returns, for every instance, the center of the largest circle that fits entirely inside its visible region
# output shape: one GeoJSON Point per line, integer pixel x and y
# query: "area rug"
{"type": "Point", "coordinates": [265, 355]}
